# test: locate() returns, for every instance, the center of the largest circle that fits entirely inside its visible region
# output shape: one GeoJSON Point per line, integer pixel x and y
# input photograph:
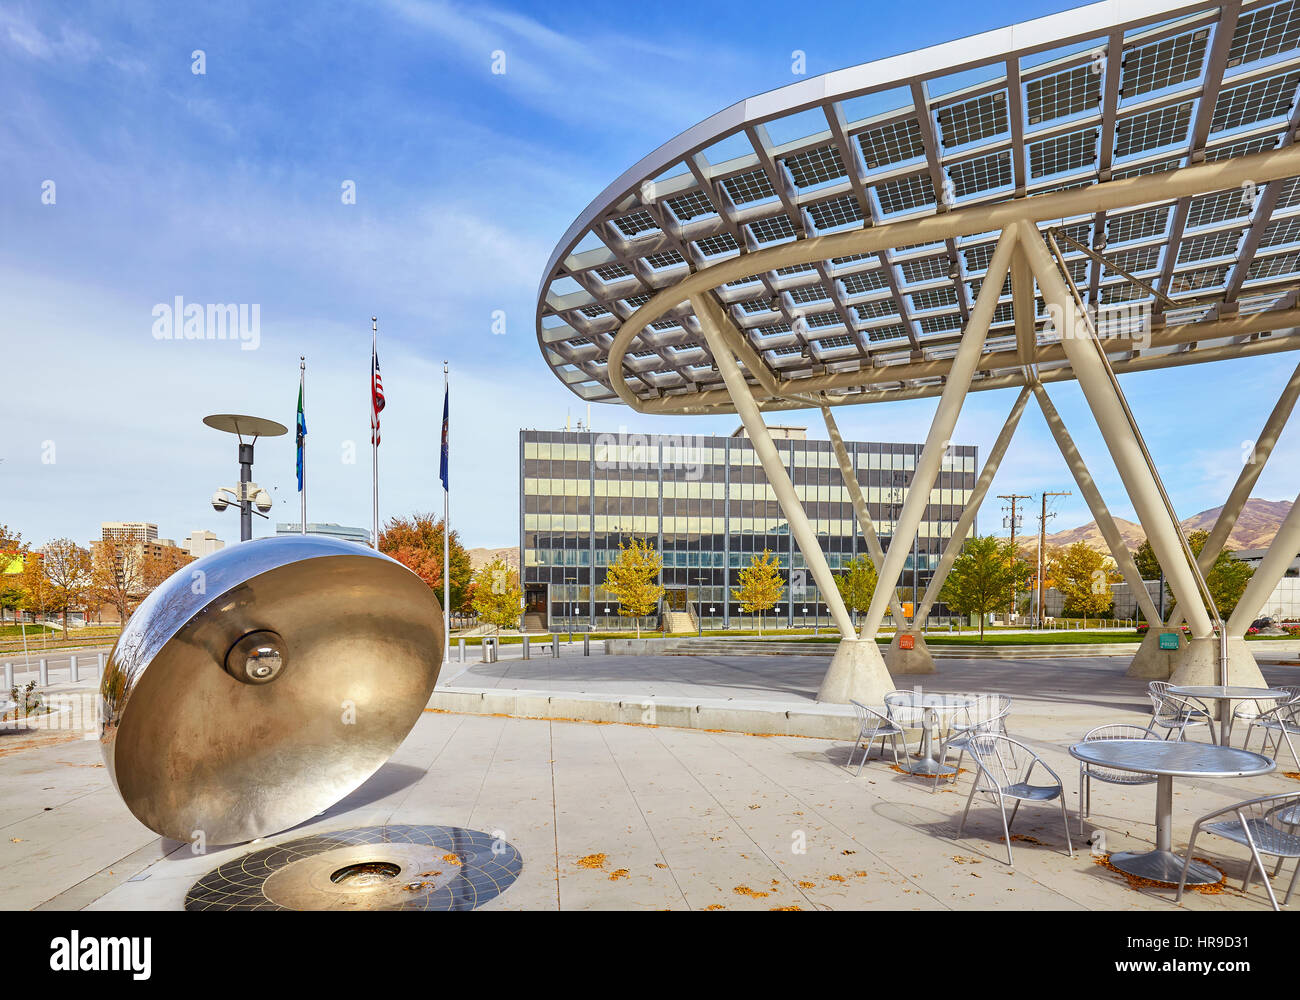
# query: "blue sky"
{"type": "Point", "coordinates": [226, 187]}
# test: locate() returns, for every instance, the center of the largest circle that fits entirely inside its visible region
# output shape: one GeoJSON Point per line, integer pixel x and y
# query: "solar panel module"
{"type": "Point", "coordinates": [1135, 127]}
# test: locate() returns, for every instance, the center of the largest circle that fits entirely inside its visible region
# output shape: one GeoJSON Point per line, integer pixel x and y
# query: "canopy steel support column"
{"type": "Point", "coordinates": [854, 488]}
{"type": "Point", "coordinates": [945, 419]}
{"type": "Point", "coordinates": [773, 467]}
{"type": "Point", "coordinates": [897, 658]}
{"type": "Point", "coordinates": [1139, 481]}
{"type": "Point", "coordinates": [857, 671]}
{"type": "Point", "coordinates": [1276, 561]}
{"type": "Point", "coordinates": [1101, 514]}
{"type": "Point", "coordinates": [1246, 479]}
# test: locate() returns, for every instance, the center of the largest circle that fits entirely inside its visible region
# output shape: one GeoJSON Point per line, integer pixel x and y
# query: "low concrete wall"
{"type": "Point", "coordinates": [722, 715]}
{"type": "Point", "coordinates": [774, 647]}
{"type": "Point", "coordinates": [1275, 651]}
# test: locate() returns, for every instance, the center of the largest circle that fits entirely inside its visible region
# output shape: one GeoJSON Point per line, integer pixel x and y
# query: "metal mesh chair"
{"type": "Point", "coordinates": [1268, 825]}
{"type": "Point", "coordinates": [1249, 711]}
{"type": "Point", "coordinates": [1277, 724]}
{"type": "Point", "coordinates": [1088, 773]}
{"type": "Point", "coordinates": [987, 715]}
{"type": "Point", "coordinates": [1001, 777]}
{"type": "Point", "coordinates": [1174, 714]}
{"type": "Point", "coordinates": [873, 725]}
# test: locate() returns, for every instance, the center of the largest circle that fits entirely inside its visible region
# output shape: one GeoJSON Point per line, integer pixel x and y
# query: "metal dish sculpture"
{"type": "Point", "coordinates": [261, 684]}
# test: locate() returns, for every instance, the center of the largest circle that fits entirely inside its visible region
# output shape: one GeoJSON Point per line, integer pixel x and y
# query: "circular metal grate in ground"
{"type": "Point", "coordinates": [370, 868]}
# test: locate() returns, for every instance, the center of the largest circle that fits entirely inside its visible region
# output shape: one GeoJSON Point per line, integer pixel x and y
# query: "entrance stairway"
{"type": "Point", "coordinates": [534, 622]}
{"type": "Point", "coordinates": [680, 622]}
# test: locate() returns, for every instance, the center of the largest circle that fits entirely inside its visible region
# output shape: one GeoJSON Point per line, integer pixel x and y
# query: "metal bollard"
{"type": "Point", "coordinates": [99, 672]}
{"type": "Point", "coordinates": [72, 669]}
{"type": "Point", "coordinates": [43, 673]}
{"type": "Point", "coordinates": [8, 677]}
{"type": "Point", "coordinates": [586, 644]}
{"type": "Point", "coordinates": [555, 645]}
{"type": "Point", "coordinates": [527, 654]}
{"type": "Point", "coordinates": [462, 649]}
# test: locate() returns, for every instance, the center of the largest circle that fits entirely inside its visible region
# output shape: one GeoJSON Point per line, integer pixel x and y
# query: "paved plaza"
{"type": "Point", "coordinates": [656, 817]}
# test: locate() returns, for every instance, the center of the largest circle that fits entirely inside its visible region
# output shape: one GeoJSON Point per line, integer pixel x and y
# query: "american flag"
{"type": "Point", "coordinates": [376, 395]}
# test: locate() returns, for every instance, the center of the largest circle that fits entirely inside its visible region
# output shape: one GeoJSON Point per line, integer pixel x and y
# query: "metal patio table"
{"type": "Point", "coordinates": [1167, 761]}
{"type": "Point", "coordinates": [1225, 695]}
{"type": "Point", "coordinates": [932, 705]}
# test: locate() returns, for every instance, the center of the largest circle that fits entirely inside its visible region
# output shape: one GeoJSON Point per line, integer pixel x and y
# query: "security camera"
{"type": "Point", "coordinates": [262, 501]}
{"type": "Point", "coordinates": [219, 502]}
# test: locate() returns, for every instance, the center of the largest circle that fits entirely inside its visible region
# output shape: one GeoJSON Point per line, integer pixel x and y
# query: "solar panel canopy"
{"type": "Point", "coordinates": [1069, 110]}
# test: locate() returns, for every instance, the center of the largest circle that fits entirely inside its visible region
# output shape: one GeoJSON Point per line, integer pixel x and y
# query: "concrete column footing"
{"type": "Point", "coordinates": [857, 673]}
{"type": "Point", "coordinates": [916, 660]}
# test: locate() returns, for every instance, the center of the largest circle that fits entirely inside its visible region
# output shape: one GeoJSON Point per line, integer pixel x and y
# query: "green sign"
{"type": "Point", "coordinates": [1168, 640]}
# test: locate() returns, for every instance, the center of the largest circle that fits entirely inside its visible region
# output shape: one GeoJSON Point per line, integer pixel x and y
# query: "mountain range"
{"type": "Point", "coordinates": [1255, 527]}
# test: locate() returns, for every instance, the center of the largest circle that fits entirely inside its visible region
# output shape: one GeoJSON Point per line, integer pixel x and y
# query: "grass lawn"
{"type": "Point", "coordinates": [12, 631]}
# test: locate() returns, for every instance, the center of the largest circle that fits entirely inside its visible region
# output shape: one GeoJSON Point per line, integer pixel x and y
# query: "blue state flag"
{"type": "Point", "coordinates": [302, 436]}
{"type": "Point", "coordinates": [446, 401]}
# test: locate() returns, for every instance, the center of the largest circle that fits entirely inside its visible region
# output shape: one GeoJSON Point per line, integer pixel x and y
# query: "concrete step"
{"type": "Point", "coordinates": [768, 718]}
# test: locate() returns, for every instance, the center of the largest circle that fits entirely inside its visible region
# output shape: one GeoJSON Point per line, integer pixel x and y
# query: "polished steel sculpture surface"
{"type": "Point", "coordinates": [261, 684]}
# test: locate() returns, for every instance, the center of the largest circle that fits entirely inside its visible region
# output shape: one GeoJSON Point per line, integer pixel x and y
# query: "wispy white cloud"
{"type": "Point", "coordinates": [591, 80]}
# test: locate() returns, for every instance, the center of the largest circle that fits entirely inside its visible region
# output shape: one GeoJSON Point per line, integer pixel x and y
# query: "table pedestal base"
{"type": "Point", "coordinates": [929, 767]}
{"type": "Point", "coordinates": [1164, 866]}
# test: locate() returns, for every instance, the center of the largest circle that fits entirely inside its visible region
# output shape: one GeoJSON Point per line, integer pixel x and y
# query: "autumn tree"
{"type": "Point", "coordinates": [68, 568]}
{"type": "Point", "coordinates": [857, 584]}
{"type": "Point", "coordinates": [983, 577]}
{"type": "Point", "coordinates": [37, 594]}
{"type": "Point", "coordinates": [12, 550]}
{"type": "Point", "coordinates": [1226, 579]}
{"type": "Point", "coordinates": [633, 580]}
{"type": "Point", "coordinates": [118, 574]}
{"type": "Point", "coordinates": [497, 598]}
{"type": "Point", "coordinates": [156, 566]}
{"type": "Point", "coordinates": [416, 543]}
{"type": "Point", "coordinates": [1084, 577]}
{"type": "Point", "coordinates": [760, 586]}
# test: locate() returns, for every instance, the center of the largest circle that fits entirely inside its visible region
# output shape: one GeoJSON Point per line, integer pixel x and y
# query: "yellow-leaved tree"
{"type": "Point", "coordinates": [760, 586]}
{"type": "Point", "coordinates": [497, 598]}
{"type": "Point", "coordinates": [633, 579]}
{"type": "Point", "coordinates": [1083, 576]}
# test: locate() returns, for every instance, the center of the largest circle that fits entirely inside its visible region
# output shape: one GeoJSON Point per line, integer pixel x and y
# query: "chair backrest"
{"type": "Point", "coordinates": [869, 719]}
{"type": "Point", "coordinates": [1159, 687]}
{"type": "Point", "coordinates": [1118, 731]}
{"type": "Point", "coordinates": [1292, 689]}
{"type": "Point", "coordinates": [1285, 714]}
{"type": "Point", "coordinates": [1002, 761]}
{"type": "Point", "coordinates": [1169, 708]}
{"type": "Point", "coordinates": [899, 708]}
{"type": "Point", "coordinates": [989, 708]}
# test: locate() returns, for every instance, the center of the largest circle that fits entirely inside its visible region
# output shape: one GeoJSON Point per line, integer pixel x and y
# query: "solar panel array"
{"type": "Point", "coordinates": [1201, 86]}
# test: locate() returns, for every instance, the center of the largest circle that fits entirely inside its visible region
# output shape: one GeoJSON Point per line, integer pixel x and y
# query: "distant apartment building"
{"type": "Point", "coordinates": [129, 531]}
{"type": "Point", "coordinates": [705, 505]}
{"type": "Point", "coordinates": [202, 543]}
{"type": "Point", "coordinates": [329, 529]}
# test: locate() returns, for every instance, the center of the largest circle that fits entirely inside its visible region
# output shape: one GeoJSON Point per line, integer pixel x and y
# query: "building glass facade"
{"type": "Point", "coordinates": [703, 502]}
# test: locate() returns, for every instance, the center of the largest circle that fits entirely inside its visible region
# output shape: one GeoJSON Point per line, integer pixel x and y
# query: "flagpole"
{"type": "Point", "coordinates": [374, 432]}
{"type": "Point", "coordinates": [302, 403]}
{"type": "Point", "coordinates": [446, 530]}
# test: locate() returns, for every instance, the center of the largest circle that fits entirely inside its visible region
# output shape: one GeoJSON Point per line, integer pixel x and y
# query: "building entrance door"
{"type": "Point", "coordinates": [675, 599]}
{"type": "Point", "coordinates": [536, 616]}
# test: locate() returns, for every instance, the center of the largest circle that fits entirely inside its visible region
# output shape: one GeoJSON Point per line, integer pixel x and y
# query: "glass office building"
{"type": "Point", "coordinates": [704, 504]}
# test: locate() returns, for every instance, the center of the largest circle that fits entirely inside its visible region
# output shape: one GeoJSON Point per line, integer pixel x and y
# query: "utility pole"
{"type": "Point", "coordinates": [1042, 554]}
{"type": "Point", "coordinates": [1012, 522]}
